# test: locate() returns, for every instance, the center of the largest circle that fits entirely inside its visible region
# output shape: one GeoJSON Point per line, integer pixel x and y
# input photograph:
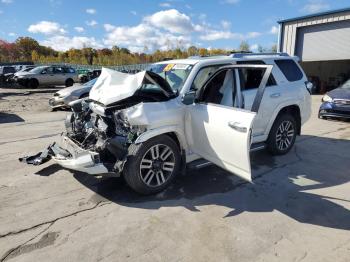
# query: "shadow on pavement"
{"type": "Point", "coordinates": [280, 187]}
{"type": "Point", "coordinates": [9, 118]}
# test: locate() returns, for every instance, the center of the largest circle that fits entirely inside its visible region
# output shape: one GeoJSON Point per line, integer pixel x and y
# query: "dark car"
{"type": "Point", "coordinates": [336, 103]}
{"type": "Point", "coordinates": [5, 71]}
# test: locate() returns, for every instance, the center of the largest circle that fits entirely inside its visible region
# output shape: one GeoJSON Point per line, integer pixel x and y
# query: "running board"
{"type": "Point", "coordinates": [198, 164]}
{"type": "Point", "coordinates": [257, 147]}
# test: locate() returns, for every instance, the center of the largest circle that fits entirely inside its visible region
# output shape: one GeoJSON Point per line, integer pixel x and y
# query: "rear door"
{"type": "Point", "coordinates": [221, 133]}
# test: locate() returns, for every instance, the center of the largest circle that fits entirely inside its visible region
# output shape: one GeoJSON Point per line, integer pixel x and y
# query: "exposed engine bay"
{"type": "Point", "coordinates": [104, 130]}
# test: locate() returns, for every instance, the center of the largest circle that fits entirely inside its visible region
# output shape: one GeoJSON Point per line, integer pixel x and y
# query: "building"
{"type": "Point", "coordinates": [322, 42]}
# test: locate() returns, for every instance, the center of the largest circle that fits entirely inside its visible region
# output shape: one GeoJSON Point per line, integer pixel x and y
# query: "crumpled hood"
{"type": "Point", "coordinates": [23, 73]}
{"type": "Point", "coordinates": [113, 86]}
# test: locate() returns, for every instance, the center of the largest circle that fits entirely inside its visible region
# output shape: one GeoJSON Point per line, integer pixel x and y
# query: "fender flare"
{"type": "Point", "coordinates": [163, 130]}
{"type": "Point", "coordinates": [277, 111]}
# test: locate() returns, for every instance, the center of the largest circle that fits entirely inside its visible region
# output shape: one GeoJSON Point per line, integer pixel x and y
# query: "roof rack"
{"type": "Point", "coordinates": [240, 55]}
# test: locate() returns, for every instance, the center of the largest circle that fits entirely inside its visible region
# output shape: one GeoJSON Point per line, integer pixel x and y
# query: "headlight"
{"type": "Point", "coordinates": [327, 98]}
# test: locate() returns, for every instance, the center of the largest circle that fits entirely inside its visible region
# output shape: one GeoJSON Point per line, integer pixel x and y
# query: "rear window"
{"type": "Point", "coordinates": [290, 70]}
{"type": "Point", "coordinates": [270, 82]}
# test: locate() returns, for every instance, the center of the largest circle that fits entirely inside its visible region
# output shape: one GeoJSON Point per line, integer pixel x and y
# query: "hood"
{"type": "Point", "coordinates": [23, 73]}
{"type": "Point", "coordinates": [113, 86]}
{"type": "Point", "coordinates": [340, 93]}
{"type": "Point", "coordinates": [76, 88]}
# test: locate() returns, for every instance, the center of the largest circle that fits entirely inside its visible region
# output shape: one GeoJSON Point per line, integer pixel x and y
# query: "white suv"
{"type": "Point", "coordinates": [148, 126]}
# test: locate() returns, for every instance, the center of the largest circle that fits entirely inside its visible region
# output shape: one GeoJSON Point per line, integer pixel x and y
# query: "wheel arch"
{"type": "Point", "coordinates": [290, 108]}
{"type": "Point", "coordinates": [171, 131]}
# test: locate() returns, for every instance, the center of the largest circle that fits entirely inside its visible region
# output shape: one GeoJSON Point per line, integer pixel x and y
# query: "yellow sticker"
{"type": "Point", "coordinates": [168, 67]}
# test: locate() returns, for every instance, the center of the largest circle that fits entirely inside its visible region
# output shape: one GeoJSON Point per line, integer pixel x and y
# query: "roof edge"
{"type": "Point", "coordinates": [314, 15]}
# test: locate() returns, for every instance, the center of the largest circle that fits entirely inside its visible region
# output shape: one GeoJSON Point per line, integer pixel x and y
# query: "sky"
{"type": "Point", "coordinates": [148, 25]}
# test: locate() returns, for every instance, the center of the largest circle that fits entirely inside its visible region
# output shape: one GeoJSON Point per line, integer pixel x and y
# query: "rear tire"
{"type": "Point", "coordinates": [69, 82]}
{"type": "Point", "coordinates": [282, 135]}
{"type": "Point", "coordinates": [152, 165]}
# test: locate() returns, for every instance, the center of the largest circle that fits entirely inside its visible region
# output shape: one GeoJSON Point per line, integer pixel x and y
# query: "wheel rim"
{"type": "Point", "coordinates": [285, 135]}
{"type": "Point", "coordinates": [157, 165]}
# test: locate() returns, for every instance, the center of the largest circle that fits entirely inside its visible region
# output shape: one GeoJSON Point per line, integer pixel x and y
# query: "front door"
{"type": "Point", "coordinates": [218, 131]}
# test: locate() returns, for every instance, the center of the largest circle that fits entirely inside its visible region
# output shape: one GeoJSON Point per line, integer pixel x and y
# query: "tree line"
{"type": "Point", "coordinates": [28, 49]}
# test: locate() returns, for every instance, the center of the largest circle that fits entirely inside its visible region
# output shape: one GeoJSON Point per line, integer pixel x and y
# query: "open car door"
{"type": "Point", "coordinates": [219, 133]}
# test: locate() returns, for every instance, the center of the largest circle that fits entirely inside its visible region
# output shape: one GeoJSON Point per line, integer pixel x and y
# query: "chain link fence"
{"type": "Point", "coordinates": [122, 68]}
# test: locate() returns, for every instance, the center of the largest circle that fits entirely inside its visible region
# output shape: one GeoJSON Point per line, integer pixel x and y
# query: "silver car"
{"type": "Point", "coordinates": [47, 76]}
{"type": "Point", "coordinates": [64, 96]}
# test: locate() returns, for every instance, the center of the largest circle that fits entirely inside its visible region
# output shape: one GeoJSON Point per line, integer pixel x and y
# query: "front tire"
{"type": "Point", "coordinates": [153, 165]}
{"type": "Point", "coordinates": [282, 135]}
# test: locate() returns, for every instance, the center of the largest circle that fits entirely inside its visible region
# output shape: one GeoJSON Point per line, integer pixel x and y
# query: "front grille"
{"type": "Point", "coordinates": [56, 94]}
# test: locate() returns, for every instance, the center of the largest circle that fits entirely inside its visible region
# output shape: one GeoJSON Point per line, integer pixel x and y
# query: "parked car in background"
{"type": "Point", "coordinates": [89, 75]}
{"type": "Point", "coordinates": [63, 97]}
{"type": "Point", "coordinates": [5, 72]}
{"type": "Point", "coordinates": [82, 75]}
{"type": "Point", "coordinates": [10, 77]}
{"type": "Point", "coordinates": [147, 126]}
{"type": "Point", "coordinates": [336, 103]}
{"type": "Point", "coordinates": [47, 76]}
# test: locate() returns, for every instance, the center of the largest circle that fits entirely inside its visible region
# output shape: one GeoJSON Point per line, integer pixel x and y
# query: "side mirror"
{"type": "Point", "coordinates": [310, 87]}
{"type": "Point", "coordinates": [189, 97]}
{"type": "Point", "coordinates": [43, 72]}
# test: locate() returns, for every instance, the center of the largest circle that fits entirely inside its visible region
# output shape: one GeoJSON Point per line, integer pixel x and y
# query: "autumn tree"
{"type": "Point", "coordinates": [25, 46]}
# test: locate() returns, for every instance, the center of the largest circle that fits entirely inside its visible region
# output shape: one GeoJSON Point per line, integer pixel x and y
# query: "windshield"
{"type": "Point", "coordinates": [346, 85]}
{"type": "Point", "coordinates": [174, 74]}
{"type": "Point", "coordinates": [38, 69]}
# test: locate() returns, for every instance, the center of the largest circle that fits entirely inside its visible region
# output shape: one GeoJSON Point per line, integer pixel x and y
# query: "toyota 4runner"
{"type": "Point", "coordinates": [148, 126]}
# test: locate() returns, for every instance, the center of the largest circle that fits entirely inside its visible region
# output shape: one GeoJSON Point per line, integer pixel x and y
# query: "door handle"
{"type": "Point", "coordinates": [275, 95]}
{"type": "Point", "coordinates": [237, 126]}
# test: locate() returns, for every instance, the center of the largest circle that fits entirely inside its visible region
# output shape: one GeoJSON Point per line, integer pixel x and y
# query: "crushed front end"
{"type": "Point", "coordinates": [96, 140]}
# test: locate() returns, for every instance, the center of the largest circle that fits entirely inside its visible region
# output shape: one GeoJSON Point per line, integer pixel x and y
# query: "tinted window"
{"type": "Point", "coordinates": [250, 78]}
{"type": "Point", "coordinates": [290, 70]}
{"type": "Point", "coordinates": [271, 81]}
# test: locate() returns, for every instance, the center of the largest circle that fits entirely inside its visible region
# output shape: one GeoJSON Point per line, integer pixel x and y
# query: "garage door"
{"type": "Point", "coordinates": [324, 42]}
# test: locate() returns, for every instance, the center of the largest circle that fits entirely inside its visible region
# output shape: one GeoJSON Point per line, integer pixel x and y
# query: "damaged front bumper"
{"type": "Point", "coordinates": [71, 157]}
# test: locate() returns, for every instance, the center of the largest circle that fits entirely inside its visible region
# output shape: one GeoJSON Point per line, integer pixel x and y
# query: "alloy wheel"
{"type": "Point", "coordinates": [157, 165]}
{"type": "Point", "coordinates": [285, 135]}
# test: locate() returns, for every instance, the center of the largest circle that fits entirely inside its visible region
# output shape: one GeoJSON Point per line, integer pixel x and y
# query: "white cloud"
{"type": "Point", "coordinates": [231, 2]}
{"type": "Point", "coordinates": [47, 28]}
{"type": "Point", "coordinates": [133, 12]}
{"type": "Point", "coordinates": [79, 29]}
{"type": "Point", "coordinates": [213, 35]}
{"type": "Point", "coordinates": [143, 36]}
{"type": "Point", "coordinates": [91, 11]}
{"type": "Point", "coordinates": [7, 1]}
{"type": "Point", "coordinates": [225, 24]}
{"type": "Point", "coordinates": [171, 20]}
{"type": "Point", "coordinates": [64, 43]}
{"type": "Point", "coordinates": [165, 4]}
{"type": "Point", "coordinates": [12, 34]}
{"type": "Point", "coordinates": [91, 23]}
{"type": "Point", "coordinates": [314, 6]}
{"type": "Point", "coordinates": [274, 30]}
